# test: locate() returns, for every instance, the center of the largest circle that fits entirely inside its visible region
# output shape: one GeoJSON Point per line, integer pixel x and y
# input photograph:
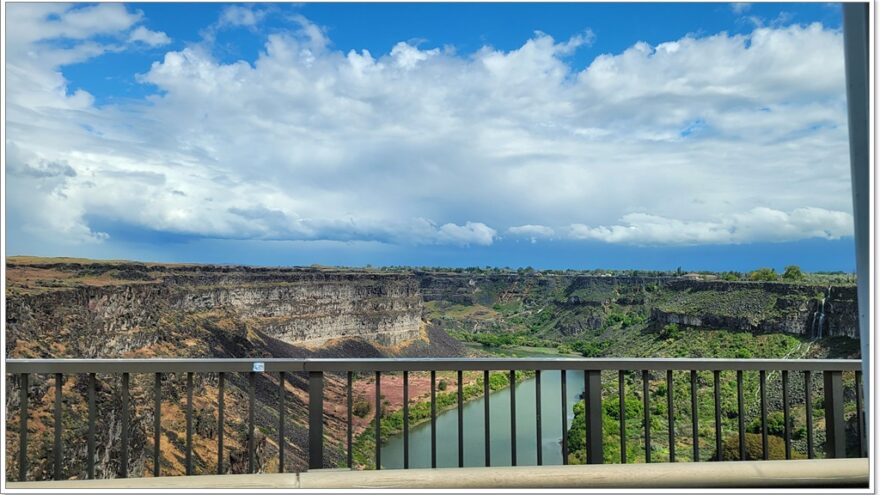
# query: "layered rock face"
{"type": "Point", "coordinates": [113, 310]}
{"type": "Point", "coordinates": [294, 305]}
{"type": "Point", "coordinates": [127, 305]}
{"type": "Point", "coordinates": [384, 309]}
{"type": "Point", "coordinates": [811, 311]}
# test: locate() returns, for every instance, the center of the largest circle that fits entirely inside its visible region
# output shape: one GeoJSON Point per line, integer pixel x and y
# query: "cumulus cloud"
{"type": "Point", "coordinates": [693, 140]}
{"type": "Point", "coordinates": [757, 224]}
{"type": "Point", "coordinates": [241, 15]}
{"type": "Point", "coordinates": [467, 234]}
{"type": "Point", "coordinates": [147, 37]}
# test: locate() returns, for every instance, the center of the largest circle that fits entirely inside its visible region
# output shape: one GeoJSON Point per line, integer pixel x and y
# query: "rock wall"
{"type": "Point", "coordinates": [745, 306]}
{"type": "Point", "coordinates": [294, 306]}
{"type": "Point", "coordinates": [811, 311]}
{"type": "Point", "coordinates": [298, 305]}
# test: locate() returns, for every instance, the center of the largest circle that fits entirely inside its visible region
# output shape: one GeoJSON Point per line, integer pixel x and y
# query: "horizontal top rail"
{"type": "Point", "coordinates": [214, 365]}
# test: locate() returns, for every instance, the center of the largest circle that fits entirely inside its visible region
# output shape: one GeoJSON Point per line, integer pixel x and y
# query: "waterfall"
{"type": "Point", "coordinates": [819, 316]}
{"type": "Point", "coordinates": [813, 326]}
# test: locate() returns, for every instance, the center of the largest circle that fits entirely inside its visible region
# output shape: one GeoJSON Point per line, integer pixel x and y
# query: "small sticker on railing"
{"type": "Point", "coordinates": [259, 367]}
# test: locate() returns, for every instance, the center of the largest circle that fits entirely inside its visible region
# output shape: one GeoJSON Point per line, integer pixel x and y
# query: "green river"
{"type": "Point", "coordinates": [499, 411]}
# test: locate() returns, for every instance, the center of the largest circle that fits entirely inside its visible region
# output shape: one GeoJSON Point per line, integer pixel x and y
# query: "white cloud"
{"type": "Point", "coordinates": [758, 224]}
{"type": "Point", "coordinates": [240, 15]}
{"type": "Point", "coordinates": [150, 38]}
{"type": "Point", "coordinates": [533, 232]}
{"type": "Point", "coordinates": [407, 56]}
{"type": "Point", "coordinates": [469, 233]}
{"type": "Point", "coordinates": [715, 139]}
{"type": "Point", "coordinates": [740, 7]}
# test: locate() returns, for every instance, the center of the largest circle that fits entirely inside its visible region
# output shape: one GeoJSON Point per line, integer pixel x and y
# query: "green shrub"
{"type": "Point", "coordinates": [442, 385]}
{"type": "Point", "coordinates": [361, 408]}
{"type": "Point", "coordinates": [763, 275]}
{"type": "Point", "coordinates": [775, 424]}
{"type": "Point", "coordinates": [670, 331]}
{"type": "Point", "coordinates": [743, 354]}
{"type": "Point", "coordinates": [589, 348]}
{"type": "Point", "coordinates": [792, 273]}
{"type": "Point", "coordinates": [754, 448]}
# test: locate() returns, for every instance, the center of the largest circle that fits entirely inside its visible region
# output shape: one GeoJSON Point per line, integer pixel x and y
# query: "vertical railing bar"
{"type": "Point", "coordinates": [123, 456]}
{"type": "Point", "coordinates": [252, 378]}
{"type": "Point", "coordinates": [587, 414]}
{"type": "Point", "coordinates": [670, 414]}
{"type": "Point", "coordinates": [835, 426]}
{"type": "Point", "coordinates": [281, 440]}
{"type": "Point", "coordinates": [405, 420]}
{"type": "Point", "coordinates": [378, 432]}
{"type": "Point", "coordinates": [348, 420]}
{"type": "Point", "coordinates": [486, 418]}
{"type": "Point", "coordinates": [860, 426]}
{"type": "Point", "coordinates": [695, 425]}
{"type": "Point", "coordinates": [562, 380]}
{"type": "Point", "coordinates": [157, 421]}
{"type": "Point", "coordinates": [786, 414]}
{"type": "Point", "coordinates": [460, 418]}
{"type": "Point", "coordinates": [221, 385]}
{"type": "Point", "coordinates": [593, 416]}
{"type": "Point", "coordinates": [189, 414]}
{"type": "Point", "coordinates": [433, 418]}
{"type": "Point", "coordinates": [59, 382]}
{"type": "Point", "coordinates": [716, 377]}
{"type": "Point", "coordinates": [90, 449]}
{"type": "Point", "coordinates": [621, 397]}
{"type": "Point", "coordinates": [539, 448]}
{"type": "Point", "coordinates": [762, 374]}
{"type": "Point", "coordinates": [316, 419]}
{"type": "Point", "coordinates": [646, 398]}
{"type": "Point", "coordinates": [808, 406]}
{"type": "Point", "coordinates": [512, 417]}
{"type": "Point", "coordinates": [741, 420]}
{"type": "Point", "coordinates": [23, 428]}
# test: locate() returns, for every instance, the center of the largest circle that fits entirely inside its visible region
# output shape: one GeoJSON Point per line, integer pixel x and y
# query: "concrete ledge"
{"type": "Point", "coordinates": [758, 474]}
{"type": "Point", "coordinates": [815, 473]}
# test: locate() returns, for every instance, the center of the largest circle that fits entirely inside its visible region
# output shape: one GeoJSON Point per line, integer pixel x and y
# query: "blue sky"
{"type": "Point", "coordinates": [708, 136]}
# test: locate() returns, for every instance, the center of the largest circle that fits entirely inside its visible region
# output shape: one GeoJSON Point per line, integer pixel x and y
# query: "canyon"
{"type": "Point", "coordinates": [91, 309]}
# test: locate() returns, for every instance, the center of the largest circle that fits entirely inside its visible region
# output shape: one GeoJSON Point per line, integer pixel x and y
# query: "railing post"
{"type": "Point", "coordinates": [316, 420]}
{"type": "Point", "coordinates": [189, 424]}
{"type": "Point", "coordinates": [23, 429]}
{"type": "Point", "coordinates": [123, 454]}
{"type": "Point", "coordinates": [835, 440]}
{"type": "Point", "coordinates": [595, 454]}
{"type": "Point", "coordinates": [59, 382]}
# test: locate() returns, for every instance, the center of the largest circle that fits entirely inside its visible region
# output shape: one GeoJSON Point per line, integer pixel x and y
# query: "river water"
{"type": "Point", "coordinates": [499, 412]}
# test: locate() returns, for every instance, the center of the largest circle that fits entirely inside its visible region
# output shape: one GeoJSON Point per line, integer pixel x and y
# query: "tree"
{"type": "Point", "coordinates": [792, 273]}
{"type": "Point", "coordinates": [763, 275]}
{"type": "Point", "coordinates": [670, 331]}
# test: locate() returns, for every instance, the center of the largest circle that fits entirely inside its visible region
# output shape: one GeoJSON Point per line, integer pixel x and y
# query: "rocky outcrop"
{"type": "Point", "coordinates": [581, 301]}
{"type": "Point", "coordinates": [295, 306]}
{"type": "Point", "coordinates": [811, 311]}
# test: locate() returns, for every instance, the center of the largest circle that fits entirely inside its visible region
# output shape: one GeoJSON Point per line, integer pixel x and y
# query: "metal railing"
{"type": "Point", "coordinates": [832, 371]}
